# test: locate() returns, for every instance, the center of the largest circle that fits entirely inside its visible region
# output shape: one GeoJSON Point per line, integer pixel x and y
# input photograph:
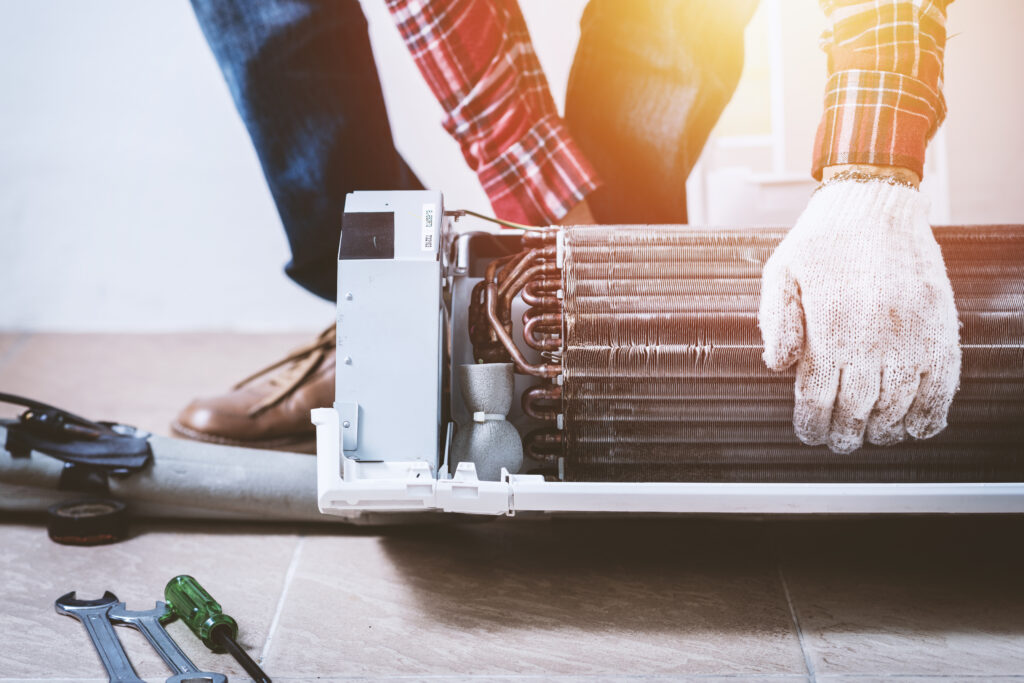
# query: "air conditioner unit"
{"type": "Point", "coordinates": [599, 369]}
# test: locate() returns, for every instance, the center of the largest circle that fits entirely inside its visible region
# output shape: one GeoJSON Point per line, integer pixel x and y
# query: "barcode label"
{"type": "Point", "coordinates": [429, 227]}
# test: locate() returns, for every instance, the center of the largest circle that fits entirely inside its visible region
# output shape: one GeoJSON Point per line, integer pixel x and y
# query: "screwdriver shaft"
{"type": "Point", "coordinates": [223, 638]}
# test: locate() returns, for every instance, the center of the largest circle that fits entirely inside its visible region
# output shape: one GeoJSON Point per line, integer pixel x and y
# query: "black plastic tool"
{"type": "Point", "coordinates": [91, 451]}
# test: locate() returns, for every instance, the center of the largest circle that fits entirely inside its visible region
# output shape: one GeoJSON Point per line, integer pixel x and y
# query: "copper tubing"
{"type": "Point", "coordinates": [511, 279]}
{"type": "Point", "coordinates": [540, 394]}
{"type": "Point", "coordinates": [540, 292]}
{"type": "Point", "coordinates": [518, 263]}
{"type": "Point", "coordinates": [493, 266]}
{"type": "Point", "coordinates": [480, 334]}
{"type": "Point", "coordinates": [543, 444]}
{"type": "Point", "coordinates": [484, 341]}
{"type": "Point", "coordinates": [536, 238]}
{"type": "Point", "coordinates": [510, 288]}
{"type": "Point", "coordinates": [546, 321]}
{"type": "Point", "coordinates": [490, 352]}
{"type": "Point", "coordinates": [531, 313]}
{"type": "Point", "coordinates": [506, 339]}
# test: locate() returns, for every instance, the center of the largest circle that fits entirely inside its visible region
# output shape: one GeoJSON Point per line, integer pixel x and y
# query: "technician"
{"type": "Point", "coordinates": [856, 296]}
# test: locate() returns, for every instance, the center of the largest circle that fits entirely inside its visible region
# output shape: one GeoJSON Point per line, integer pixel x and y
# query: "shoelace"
{"type": "Point", "coordinates": [304, 361]}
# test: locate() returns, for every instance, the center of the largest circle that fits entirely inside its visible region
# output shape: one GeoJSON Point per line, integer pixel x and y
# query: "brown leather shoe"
{"type": "Point", "coordinates": [269, 409]}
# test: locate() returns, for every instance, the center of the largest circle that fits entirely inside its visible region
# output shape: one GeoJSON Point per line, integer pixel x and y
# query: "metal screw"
{"type": "Point", "coordinates": [346, 424]}
{"type": "Point", "coordinates": [348, 360]}
{"type": "Point", "coordinates": [348, 297]}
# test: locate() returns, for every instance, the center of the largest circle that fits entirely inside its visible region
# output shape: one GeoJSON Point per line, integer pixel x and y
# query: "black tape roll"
{"type": "Point", "coordinates": [87, 521]}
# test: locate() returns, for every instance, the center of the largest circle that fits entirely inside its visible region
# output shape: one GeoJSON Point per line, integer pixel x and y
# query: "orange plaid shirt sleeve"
{"type": "Point", "coordinates": [883, 101]}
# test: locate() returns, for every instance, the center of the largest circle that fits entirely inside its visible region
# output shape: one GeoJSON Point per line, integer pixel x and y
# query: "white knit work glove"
{"type": "Point", "coordinates": [857, 295]}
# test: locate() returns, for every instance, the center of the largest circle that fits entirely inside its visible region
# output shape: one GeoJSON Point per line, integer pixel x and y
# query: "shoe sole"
{"type": "Point", "coordinates": [297, 443]}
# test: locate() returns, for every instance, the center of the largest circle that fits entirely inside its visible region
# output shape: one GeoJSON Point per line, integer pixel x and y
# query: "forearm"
{"type": "Point", "coordinates": [478, 60]}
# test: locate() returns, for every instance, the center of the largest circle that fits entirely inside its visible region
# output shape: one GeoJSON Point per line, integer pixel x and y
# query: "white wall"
{"type": "Point", "coordinates": [131, 199]}
{"type": "Point", "coordinates": [985, 96]}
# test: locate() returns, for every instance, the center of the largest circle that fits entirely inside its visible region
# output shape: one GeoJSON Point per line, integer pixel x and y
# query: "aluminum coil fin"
{"type": "Point", "coordinates": [663, 378]}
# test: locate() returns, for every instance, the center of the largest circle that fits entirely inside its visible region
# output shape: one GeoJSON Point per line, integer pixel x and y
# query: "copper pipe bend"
{"type": "Point", "coordinates": [543, 444]}
{"type": "Point", "coordinates": [522, 365]}
{"type": "Point", "coordinates": [543, 321]}
{"type": "Point", "coordinates": [539, 394]}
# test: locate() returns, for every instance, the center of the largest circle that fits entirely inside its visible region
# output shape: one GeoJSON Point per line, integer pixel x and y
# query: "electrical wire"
{"type": "Point", "coordinates": [492, 219]}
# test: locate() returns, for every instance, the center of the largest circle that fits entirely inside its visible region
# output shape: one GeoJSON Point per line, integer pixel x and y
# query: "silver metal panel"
{"type": "Point", "coordinates": [389, 334]}
{"type": "Point", "coordinates": [388, 355]}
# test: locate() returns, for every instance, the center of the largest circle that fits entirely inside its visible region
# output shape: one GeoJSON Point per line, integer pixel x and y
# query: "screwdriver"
{"type": "Point", "coordinates": [204, 616]}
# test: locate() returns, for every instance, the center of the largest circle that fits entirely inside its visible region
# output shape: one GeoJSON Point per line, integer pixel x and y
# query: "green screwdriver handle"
{"type": "Point", "coordinates": [198, 610]}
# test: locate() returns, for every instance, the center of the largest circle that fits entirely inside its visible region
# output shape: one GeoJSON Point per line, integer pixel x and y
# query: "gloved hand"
{"type": "Point", "coordinates": [857, 295]}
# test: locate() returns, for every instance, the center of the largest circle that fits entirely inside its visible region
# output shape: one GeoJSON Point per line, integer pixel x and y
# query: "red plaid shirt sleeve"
{"type": "Point", "coordinates": [883, 101]}
{"type": "Point", "coordinates": [478, 60]}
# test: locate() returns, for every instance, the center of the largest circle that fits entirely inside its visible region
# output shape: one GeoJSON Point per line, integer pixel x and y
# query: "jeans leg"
{"type": "Point", "coordinates": [304, 80]}
{"type": "Point", "coordinates": [648, 83]}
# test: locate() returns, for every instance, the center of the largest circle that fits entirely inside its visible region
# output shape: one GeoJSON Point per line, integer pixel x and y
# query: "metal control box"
{"type": "Point", "coordinates": [388, 388]}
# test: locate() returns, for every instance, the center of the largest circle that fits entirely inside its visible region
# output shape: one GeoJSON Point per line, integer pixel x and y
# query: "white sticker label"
{"type": "Point", "coordinates": [427, 243]}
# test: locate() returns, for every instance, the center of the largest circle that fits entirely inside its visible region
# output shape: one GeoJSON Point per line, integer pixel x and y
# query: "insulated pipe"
{"type": "Point", "coordinates": [488, 440]}
{"type": "Point", "coordinates": [188, 479]}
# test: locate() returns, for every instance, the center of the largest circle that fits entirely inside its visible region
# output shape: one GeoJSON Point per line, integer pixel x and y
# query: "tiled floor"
{"type": "Point", "coordinates": [907, 600]}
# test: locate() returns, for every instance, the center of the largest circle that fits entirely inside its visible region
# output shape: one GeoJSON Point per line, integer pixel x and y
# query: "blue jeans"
{"type": "Point", "coordinates": [648, 83]}
{"type": "Point", "coordinates": [303, 78]}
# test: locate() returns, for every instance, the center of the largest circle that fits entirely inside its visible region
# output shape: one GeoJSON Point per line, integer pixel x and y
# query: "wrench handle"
{"type": "Point", "coordinates": [165, 646]}
{"type": "Point", "coordinates": [109, 648]}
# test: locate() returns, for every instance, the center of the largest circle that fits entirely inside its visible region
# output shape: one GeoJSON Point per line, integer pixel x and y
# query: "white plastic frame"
{"type": "Point", "coordinates": [345, 485]}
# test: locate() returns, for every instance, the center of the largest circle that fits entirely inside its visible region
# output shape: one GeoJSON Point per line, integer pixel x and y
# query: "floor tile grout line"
{"type": "Point", "coordinates": [796, 620]}
{"type": "Point", "coordinates": [19, 343]}
{"type": "Point", "coordinates": [288, 576]}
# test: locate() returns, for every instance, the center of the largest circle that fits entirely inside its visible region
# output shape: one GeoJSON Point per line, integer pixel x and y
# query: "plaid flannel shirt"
{"type": "Point", "coordinates": [883, 101]}
{"type": "Point", "coordinates": [478, 60]}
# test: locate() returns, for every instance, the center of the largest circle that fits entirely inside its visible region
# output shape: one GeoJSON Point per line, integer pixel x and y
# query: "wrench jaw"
{"type": "Point", "coordinates": [68, 604]}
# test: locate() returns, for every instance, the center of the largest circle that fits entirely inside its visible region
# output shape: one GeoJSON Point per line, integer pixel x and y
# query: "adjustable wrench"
{"type": "Point", "coordinates": [93, 615]}
{"type": "Point", "coordinates": [149, 623]}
